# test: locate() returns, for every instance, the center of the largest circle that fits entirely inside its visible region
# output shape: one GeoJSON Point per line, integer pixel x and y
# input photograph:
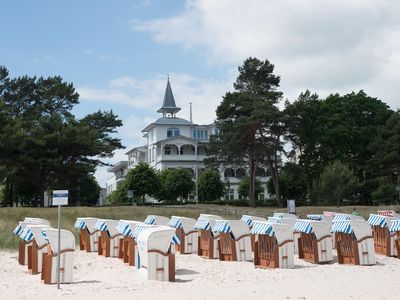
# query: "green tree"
{"type": "Point", "coordinates": [45, 146]}
{"type": "Point", "coordinates": [175, 183]}
{"type": "Point", "coordinates": [250, 123]}
{"type": "Point", "coordinates": [292, 183]}
{"type": "Point", "coordinates": [243, 188]}
{"type": "Point", "coordinates": [143, 180]}
{"type": "Point", "coordinates": [210, 185]}
{"type": "Point", "coordinates": [336, 183]}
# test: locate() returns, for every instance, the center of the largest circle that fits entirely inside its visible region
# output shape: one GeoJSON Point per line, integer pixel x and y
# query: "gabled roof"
{"type": "Point", "coordinates": [119, 165]}
{"type": "Point", "coordinates": [140, 148]}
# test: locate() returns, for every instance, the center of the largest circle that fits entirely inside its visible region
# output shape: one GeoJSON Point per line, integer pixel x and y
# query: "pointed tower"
{"type": "Point", "coordinates": [168, 108]}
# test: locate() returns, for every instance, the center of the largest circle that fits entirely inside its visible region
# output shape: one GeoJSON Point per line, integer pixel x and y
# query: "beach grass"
{"type": "Point", "coordinates": [9, 217]}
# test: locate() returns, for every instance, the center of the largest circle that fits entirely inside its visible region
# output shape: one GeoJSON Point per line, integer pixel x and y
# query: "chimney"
{"type": "Point", "coordinates": [191, 120]}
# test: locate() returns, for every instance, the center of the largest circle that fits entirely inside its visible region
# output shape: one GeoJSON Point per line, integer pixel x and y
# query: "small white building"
{"type": "Point", "coordinates": [173, 142]}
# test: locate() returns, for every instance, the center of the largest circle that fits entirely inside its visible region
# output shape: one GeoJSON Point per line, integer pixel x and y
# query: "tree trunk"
{"type": "Point", "coordinates": [8, 199]}
{"type": "Point", "coordinates": [252, 183]}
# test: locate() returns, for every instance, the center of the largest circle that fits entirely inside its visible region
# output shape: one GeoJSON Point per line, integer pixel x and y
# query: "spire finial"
{"type": "Point", "coordinates": [168, 76]}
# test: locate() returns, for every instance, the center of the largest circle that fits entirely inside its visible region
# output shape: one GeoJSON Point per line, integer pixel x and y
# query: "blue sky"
{"type": "Point", "coordinates": [117, 53]}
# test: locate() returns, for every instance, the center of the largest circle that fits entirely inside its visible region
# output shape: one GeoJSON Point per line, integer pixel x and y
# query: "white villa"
{"type": "Point", "coordinates": [174, 142]}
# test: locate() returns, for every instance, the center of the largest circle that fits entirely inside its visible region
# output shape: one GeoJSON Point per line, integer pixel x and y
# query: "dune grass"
{"type": "Point", "coordinates": [9, 217]}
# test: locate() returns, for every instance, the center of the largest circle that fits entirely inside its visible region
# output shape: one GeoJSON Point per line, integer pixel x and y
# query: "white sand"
{"type": "Point", "coordinates": [196, 278]}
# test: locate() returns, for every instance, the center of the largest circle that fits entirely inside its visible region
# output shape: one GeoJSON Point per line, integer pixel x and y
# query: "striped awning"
{"type": "Point", "coordinates": [17, 230]}
{"type": "Point", "coordinates": [315, 217]}
{"type": "Point", "coordinates": [341, 217]}
{"type": "Point", "coordinates": [202, 224]}
{"type": "Point", "coordinates": [175, 222]}
{"type": "Point", "coordinates": [302, 226]}
{"type": "Point", "coordinates": [222, 226]}
{"type": "Point", "coordinates": [377, 220]}
{"type": "Point", "coordinates": [342, 226]}
{"type": "Point", "coordinates": [27, 235]}
{"type": "Point", "coordinates": [150, 220]}
{"type": "Point", "coordinates": [395, 226]}
{"type": "Point", "coordinates": [176, 240]}
{"type": "Point", "coordinates": [262, 228]}
{"type": "Point", "coordinates": [80, 224]}
{"type": "Point", "coordinates": [123, 228]}
{"type": "Point", "coordinates": [101, 225]}
{"type": "Point", "coordinates": [247, 219]}
{"type": "Point", "coordinates": [138, 229]}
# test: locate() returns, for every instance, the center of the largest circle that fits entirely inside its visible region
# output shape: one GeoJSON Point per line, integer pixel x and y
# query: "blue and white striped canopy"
{"type": "Point", "coordinates": [222, 226]}
{"type": "Point", "coordinates": [262, 228]}
{"type": "Point", "coordinates": [175, 222]}
{"type": "Point", "coordinates": [377, 220]}
{"type": "Point", "coordinates": [176, 240]}
{"type": "Point", "coordinates": [27, 235]}
{"type": "Point", "coordinates": [150, 220]}
{"type": "Point", "coordinates": [202, 224]}
{"type": "Point", "coordinates": [17, 230]}
{"type": "Point", "coordinates": [315, 217]}
{"type": "Point", "coordinates": [395, 226]}
{"type": "Point", "coordinates": [80, 224]}
{"type": "Point", "coordinates": [247, 219]}
{"type": "Point", "coordinates": [341, 217]}
{"type": "Point", "coordinates": [138, 229]}
{"type": "Point", "coordinates": [124, 228]}
{"type": "Point", "coordinates": [101, 225]}
{"type": "Point", "coordinates": [303, 226]}
{"type": "Point", "coordinates": [342, 226]}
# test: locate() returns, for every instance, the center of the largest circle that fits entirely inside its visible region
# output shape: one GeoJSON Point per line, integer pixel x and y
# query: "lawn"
{"type": "Point", "coordinates": [9, 217]}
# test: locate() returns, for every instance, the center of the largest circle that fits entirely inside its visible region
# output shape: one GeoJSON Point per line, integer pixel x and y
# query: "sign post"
{"type": "Point", "coordinates": [130, 194]}
{"type": "Point", "coordinates": [60, 197]}
{"type": "Point", "coordinates": [291, 206]}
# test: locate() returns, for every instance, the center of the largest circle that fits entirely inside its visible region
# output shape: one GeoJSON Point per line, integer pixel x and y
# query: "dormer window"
{"type": "Point", "coordinates": [173, 132]}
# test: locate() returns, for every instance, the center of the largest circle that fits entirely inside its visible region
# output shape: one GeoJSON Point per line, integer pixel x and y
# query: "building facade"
{"type": "Point", "coordinates": [173, 142]}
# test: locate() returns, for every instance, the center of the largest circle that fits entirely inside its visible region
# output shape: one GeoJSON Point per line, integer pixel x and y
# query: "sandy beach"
{"type": "Point", "coordinates": [197, 278]}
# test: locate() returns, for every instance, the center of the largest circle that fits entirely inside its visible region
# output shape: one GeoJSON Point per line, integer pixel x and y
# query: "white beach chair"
{"type": "Point", "coordinates": [384, 240]}
{"type": "Point", "coordinates": [88, 235]}
{"type": "Point", "coordinates": [354, 242]}
{"type": "Point", "coordinates": [156, 262]}
{"type": "Point", "coordinates": [188, 235]}
{"type": "Point", "coordinates": [234, 241]}
{"type": "Point", "coordinates": [290, 222]}
{"type": "Point", "coordinates": [108, 244]}
{"type": "Point", "coordinates": [32, 235]}
{"type": "Point", "coordinates": [23, 245]}
{"type": "Point", "coordinates": [127, 243]}
{"type": "Point", "coordinates": [315, 243]}
{"type": "Point", "coordinates": [273, 247]}
{"type": "Point", "coordinates": [49, 269]}
{"type": "Point", "coordinates": [208, 240]}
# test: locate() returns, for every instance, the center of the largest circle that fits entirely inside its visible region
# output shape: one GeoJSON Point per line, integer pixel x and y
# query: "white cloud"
{"type": "Point", "coordinates": [335, 46]}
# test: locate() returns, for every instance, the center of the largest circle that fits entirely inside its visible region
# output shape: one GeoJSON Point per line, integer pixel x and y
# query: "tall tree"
{"type": "Point", "coordinates": [250, 124]}
{"type": "Point", "coordinates": [210, 185]}
{"type": "Point", "coordinates": [175, 183]}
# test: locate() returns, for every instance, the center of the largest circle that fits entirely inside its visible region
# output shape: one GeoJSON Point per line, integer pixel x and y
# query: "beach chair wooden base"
{"type": "Point", "coordinates": [181, 248]}
{"type": "Point", "coordinates": [124, 249]}
{"type": "Point", "coordinates": [47, 265]}
{"type": "Point", "coordinates": [308, 247]}
{"type": "Point", "coordinates": [21, 252]}
{"type": "Point", "coordinates": [227, 247]}
{"type": "Point", "coordinates": [382, 240]}
{"type": "Point", "coordinates": [171, 263]}
{"type": "Point", "coordinates": [266, 252]}
{"type": "Point", "coordinates": [104, 244]}
{"type": "Point", "coordinates": [398, 245]}
{"type": "Point", "coordinates": [206, 244]}
{"type": "Point", "coordinates": [131, 252]}
{"type": "Point", "coordinates": [84, 240]}
{"type": "Point", "coordinates": [347, 250]}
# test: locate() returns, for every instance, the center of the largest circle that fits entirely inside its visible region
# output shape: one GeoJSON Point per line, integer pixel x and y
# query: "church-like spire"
{"type": "Point", "coordinates": [168, 107]}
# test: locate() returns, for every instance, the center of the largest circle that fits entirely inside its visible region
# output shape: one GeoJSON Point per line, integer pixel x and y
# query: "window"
{"type": "Point", "coordinates": [167, 150]}
{"type": "Point", "coordinates": [200, 134]}
{"type": "Point", "coordinates": [172, 132]}
{"type": "Point", "coordinates": [231, 194]}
